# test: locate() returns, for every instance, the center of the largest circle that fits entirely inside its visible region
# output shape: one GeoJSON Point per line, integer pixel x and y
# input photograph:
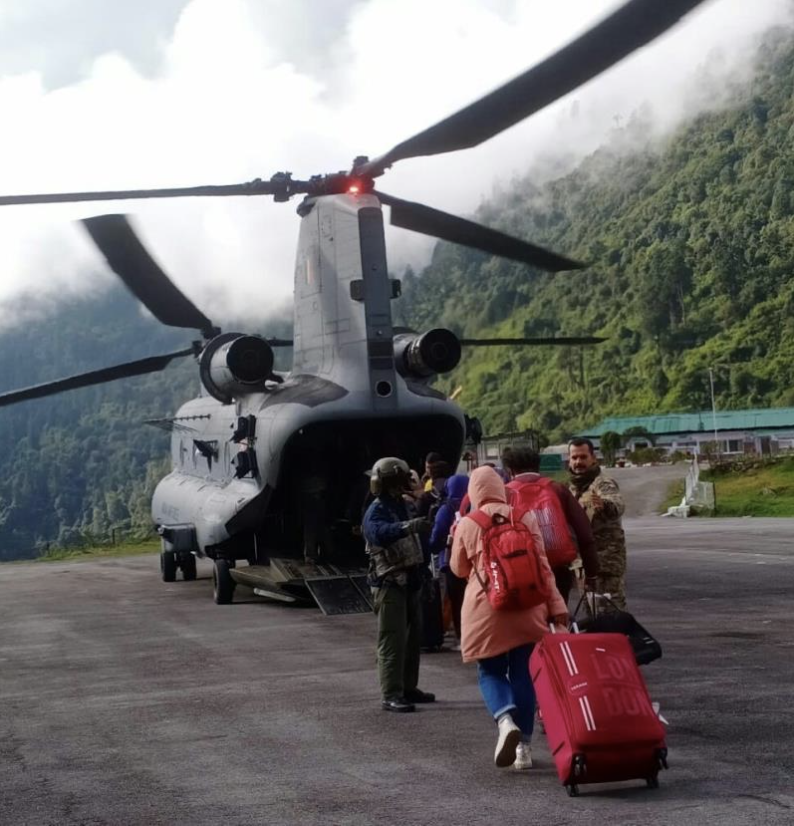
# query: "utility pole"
{"type": "Point", "coordinates": [714, 411]}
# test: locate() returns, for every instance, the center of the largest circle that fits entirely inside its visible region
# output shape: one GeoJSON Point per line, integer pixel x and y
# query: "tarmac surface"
{"type": "Point", "coordinates": [644, 489]}
{"type": "Point", "coordinates": [129, 701]}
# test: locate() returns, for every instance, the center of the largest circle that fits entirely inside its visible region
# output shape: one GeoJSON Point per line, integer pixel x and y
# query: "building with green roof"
{"type": "Point", "coordinates": [735, 431]}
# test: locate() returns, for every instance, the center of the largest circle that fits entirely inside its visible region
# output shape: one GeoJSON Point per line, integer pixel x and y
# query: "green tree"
{"type": "Point", "coordinates": [638, 432]}
{"type": "Point", "coordinates": [610, 444]}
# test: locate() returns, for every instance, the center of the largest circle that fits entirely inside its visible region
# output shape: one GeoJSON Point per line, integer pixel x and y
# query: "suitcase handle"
{"type": "Point", "coordinates": [592, 603]}
{"type": "Point", "coordinates": [574, 628]}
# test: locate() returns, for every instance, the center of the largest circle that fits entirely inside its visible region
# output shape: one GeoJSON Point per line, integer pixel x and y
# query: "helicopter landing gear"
{"type": "Point", "coordinates": [188, 565]}
{"type": "Point", "coordinates": [168, 566]}
{"type": "Point", "coordinates": [222, 583]}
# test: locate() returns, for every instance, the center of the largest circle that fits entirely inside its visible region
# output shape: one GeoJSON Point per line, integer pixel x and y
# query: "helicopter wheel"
{"type": "Point", "coordinates": [188, 566]}
{"type": "Point", "coordinates": [222, 583]}
{"type": "Point", "coordinates": [168, 566]}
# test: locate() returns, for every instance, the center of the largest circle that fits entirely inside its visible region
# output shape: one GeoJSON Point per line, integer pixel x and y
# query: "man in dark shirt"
{"type": "Point", "coordinates": [523, 465]}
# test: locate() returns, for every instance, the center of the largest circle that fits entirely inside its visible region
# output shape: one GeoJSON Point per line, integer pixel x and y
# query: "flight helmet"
{"type": "Point", "coordinates": [389, 473]}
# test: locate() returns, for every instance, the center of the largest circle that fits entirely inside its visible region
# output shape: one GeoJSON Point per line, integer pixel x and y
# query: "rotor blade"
{"type": "Point", "coordinates": [531, 342]}
{"type": "Point", "coordinates": [256, 187]}
{"type": "Point", "coordinates": [129, 259]}
{"type": "Point", "coordinates": [429, 221]}
{"type": "Point", "coordinates": [634, 25]}
{"type": "Point", "coordinates": [120, 371]}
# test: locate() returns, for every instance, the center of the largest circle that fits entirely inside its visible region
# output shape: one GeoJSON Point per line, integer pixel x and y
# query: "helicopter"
{"type": "Point", "coordinates": [269, 466]}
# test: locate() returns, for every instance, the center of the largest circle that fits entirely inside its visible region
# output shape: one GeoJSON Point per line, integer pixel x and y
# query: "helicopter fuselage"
{"type": "Point", "coordinates": [250, 475]}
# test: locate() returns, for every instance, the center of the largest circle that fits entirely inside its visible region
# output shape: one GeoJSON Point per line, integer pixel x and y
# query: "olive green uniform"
{"type": "Point", "coordinates": [610, 539]}
{"type": "Point", "coordinates": [396, 573]}
{"type": "Point", "coordinates": [399, 611]}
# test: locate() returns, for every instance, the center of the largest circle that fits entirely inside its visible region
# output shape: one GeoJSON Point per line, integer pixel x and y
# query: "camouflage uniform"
{"type": "Point", "coordinates": [608, 531]}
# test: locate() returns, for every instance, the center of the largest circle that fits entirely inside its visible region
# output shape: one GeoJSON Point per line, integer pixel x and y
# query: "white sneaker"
{"type": "Point", "coordinates": [523, 759]}
{"type": "Point", "coordinates": [506, 744]}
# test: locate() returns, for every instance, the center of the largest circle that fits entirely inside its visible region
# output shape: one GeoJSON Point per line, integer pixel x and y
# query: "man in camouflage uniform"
{"type": "Point", "coordinates": [601, 499]}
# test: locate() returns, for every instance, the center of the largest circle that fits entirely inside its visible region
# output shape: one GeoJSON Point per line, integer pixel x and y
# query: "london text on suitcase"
{"type": "Point", "coordinates": [598, 717]}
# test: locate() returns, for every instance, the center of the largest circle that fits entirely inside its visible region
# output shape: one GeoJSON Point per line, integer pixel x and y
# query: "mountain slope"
{"type": "Point", "coordinates": [692, 251]}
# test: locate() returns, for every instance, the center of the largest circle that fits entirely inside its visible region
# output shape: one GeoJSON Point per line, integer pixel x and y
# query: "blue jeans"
{"type": "Point", "coordinates": [506, 687]}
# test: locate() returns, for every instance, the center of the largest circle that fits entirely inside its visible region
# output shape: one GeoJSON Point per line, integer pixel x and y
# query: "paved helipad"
{"type": "Point", "coordinates": [128, 701]}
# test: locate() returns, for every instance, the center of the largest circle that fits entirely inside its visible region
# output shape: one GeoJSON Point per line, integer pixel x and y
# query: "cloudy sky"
{"type": "Point", "coordinates": [117, 94]}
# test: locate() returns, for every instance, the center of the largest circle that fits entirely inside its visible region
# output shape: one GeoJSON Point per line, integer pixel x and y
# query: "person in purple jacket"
{"type": "Point", "coordinates": [440, 541]}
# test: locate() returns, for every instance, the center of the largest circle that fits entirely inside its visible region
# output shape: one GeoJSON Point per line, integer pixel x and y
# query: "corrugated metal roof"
{"type": "Point", "coordinates": [773, 418]}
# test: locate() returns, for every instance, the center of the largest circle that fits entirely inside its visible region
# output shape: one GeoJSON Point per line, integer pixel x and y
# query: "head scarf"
{"type": "Point", "coordinates": [486, 486]}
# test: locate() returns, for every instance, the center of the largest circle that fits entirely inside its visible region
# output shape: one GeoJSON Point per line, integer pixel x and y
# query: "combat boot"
{"type": "Point", "coordinates": [398, 704]}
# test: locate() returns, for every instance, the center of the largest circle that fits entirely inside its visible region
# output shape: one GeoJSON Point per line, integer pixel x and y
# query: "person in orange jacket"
{"type": "Point", "coordinates": [500, 642]}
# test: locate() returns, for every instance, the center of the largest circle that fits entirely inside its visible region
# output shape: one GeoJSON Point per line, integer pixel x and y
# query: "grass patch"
{"type": "Point", "coordinates": [132, 548]}
{"type": "Point", "coordinates": [765, 490]}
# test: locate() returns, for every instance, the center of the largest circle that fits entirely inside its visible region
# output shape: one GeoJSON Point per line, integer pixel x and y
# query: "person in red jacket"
{"type": "Point", "coordinates": [564, 523]}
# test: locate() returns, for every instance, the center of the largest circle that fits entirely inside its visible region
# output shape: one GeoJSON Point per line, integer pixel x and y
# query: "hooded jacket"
{"type": "Point", "coordinates": [454, 490]}
{"type": "Point", "coordinates": [484, 631]}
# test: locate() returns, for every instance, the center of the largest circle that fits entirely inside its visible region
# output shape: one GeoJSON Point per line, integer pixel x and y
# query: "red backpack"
{"type": "Point", "coordinates": [510, 561]}
{"type": "Point", "coordinates": [540, 498]}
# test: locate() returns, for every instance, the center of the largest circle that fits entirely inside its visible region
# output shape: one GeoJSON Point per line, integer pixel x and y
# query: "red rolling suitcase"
{"type": "Point", "coordinates": [598, 716]}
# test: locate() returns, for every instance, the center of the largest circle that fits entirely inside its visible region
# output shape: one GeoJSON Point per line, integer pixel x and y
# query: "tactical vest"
{"type": "Point", "coordinates": [402, 554]}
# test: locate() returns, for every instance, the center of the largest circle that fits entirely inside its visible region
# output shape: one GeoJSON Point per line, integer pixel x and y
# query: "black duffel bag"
{"type": "Point", "coordinates": [614, 621]}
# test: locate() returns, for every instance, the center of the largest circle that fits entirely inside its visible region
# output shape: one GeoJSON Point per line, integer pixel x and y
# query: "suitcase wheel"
{"type": "Point", "coordinates": [579, 765]}
{"type": "Point", "coordinates": [573, 790]}
{"type": "Point", "coordinates": [653, 782]}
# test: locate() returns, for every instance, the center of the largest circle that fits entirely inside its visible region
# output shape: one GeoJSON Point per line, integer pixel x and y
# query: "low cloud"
{"type": "Point", "coordinates": [245, 89]}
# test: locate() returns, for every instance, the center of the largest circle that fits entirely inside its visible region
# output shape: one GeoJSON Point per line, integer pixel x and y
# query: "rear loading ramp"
{"type": "Point", "coordinates": [335, 590]}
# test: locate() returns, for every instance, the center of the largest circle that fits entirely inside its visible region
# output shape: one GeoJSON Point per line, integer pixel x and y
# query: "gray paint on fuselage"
{"type": "Point", "coordinates": [306, 390]}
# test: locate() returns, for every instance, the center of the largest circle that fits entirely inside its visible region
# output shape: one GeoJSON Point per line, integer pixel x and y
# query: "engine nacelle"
{"type": "Point", "coordinates": [233, 364]}
{"type": "Point", "coordinates": [425, 355]}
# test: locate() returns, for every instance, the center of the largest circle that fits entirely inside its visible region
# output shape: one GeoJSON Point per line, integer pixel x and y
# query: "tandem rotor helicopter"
{"type": "Point", "coordinates": [264, 462]}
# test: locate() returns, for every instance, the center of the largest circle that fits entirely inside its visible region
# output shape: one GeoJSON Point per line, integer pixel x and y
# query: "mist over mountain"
{"type": "Point", "coordinates": [691, 246]}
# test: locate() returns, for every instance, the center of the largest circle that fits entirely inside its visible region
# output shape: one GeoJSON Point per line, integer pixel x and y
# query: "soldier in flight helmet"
{"type": "Point", "coordinates": [389, 473]}
{"type": "Point", "coordinates": [396, 571]}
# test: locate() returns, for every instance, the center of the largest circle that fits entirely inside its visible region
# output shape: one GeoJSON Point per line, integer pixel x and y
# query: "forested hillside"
{"type": "Point", "coordinates": [84, 462]}
{"type": "Point", "coordinates": [692, 252]}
